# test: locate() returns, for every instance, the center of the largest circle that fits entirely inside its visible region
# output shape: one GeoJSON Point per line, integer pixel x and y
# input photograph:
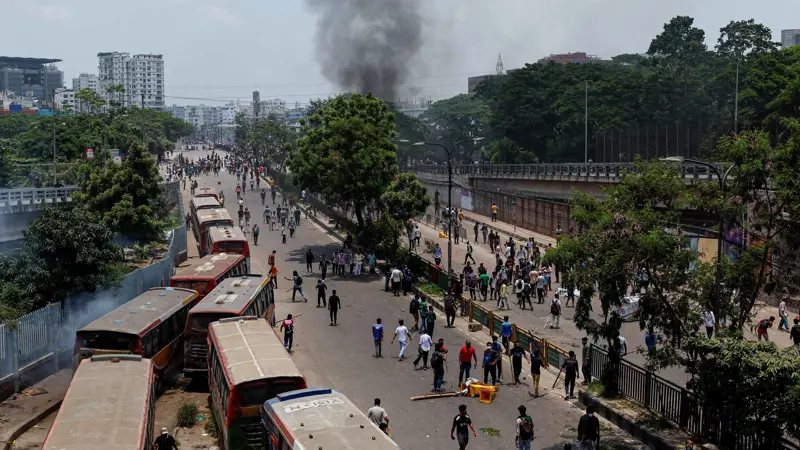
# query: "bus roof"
{"type": "Point", "coordinates": [209, 266]}
{"type": "Point", "coordinates": [205, 192]}
{"type": "Point", "coordinates": [222, 233]}
{"type": "Point", "coordinates": [250, 350]}
{"type": "Point", "coordinates": [232, 295]}
{"type": "Point", "coordinates": [332, 419]}
{"type": "Point", "coordinates": [205, 203]}
{"type": "Point", "coordinates": [210, 215]}
{"type": "Point", "coordinates": [105, 406]}
{"type": "Point", "coordinates": [142, 312]}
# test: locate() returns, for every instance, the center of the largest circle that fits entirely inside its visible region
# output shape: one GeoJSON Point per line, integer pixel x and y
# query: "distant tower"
{"type": "Point", "coordinates": [499, 65]}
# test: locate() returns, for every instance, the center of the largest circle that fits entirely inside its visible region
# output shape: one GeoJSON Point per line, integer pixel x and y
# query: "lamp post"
{"type": "Point", "coordinates": [736, 101]}
{"type": "Point", "coordinates": [722, 178]}
{"type": "Point", "coordinates": [449, 152]}
{"type": "Point", "coordinates": [585, 121]}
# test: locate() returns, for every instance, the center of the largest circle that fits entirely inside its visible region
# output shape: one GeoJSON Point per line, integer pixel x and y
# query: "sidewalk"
{"type": "Point", "coordinates": [504, 228]}
{"type": "Point", "coordinates": [24, 410]}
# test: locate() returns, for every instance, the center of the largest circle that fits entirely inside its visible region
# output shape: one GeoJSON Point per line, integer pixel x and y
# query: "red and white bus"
{"type": "Point", "coordinates": [207, 192]}
{"type": "Point", "coordinates": [336, 422]}
{"type": "Point", "coordinates": [247, 365]}
{"type": "Point", "coordinates": [242, 295]}
{"type": "Point", "coordinates": [204, 220]}
{"type": "Point", "coordinates": [206, 273]}
{"type": "Point", "coordinates": [110, 403]}
{"type": "Point", "coordinates": [228, 239]}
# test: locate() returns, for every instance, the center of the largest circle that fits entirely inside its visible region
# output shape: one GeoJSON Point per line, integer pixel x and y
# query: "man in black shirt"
{"type": "Point", "coordinates": [536, 371]}
{"type": "Point", "coordinates": [165, 441]}
{"type": "Point", "coordinates": [333, 305]}
{"type": "Point", "coordinates": [309, 262]}
{"type": "Point", "coordinates": [588, 430]}
{"type": "Point", "coordinates": [570, 367]}
{"type": "Point", "coordinates": [795, 332]}
{"type": "Point", "coordinates": [461, 426]}
{"type": "Point", "coordinates": [517, 353]}
{"type": "Point", "coordinates": [321, 289]}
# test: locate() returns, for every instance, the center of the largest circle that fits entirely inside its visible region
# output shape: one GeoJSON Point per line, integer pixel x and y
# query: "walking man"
{"type": "Point", "coordinates": [524, 429]}
{"type": "Point", "coordinates": [784, 317]}
{"type": "Point", "coordinates": [437, 364]}
{"type": "Point", "coordinates": [377, 336]}
{"type": "Point", "coordinates": [297, 285]}
{"type": "Point", "coordinates": [536, 372]}
{"type": "Point", "coordinates": [555, 312]}
{"type": "Point", "coordinates": [708, 321]}
{"type": "Point", "coordinates": [430, 321]}
{"type": "Point", "coordinates": [461, 426]}
{"type": "Point", "coordinates": [588, 430]}
{"type": "Point", "coordinates": [256, 231]}
{"type": "Point", "coordinates": [377, 414]}
{"type": "Point", "coordinates": [165, 441]}
{"type": "Point", "coordinates": [425, 343]}
{"type": "Point", "coordinates": [517, 353]}
{"type": "Point", "coordinates": [287, 326]}
{"type": "Point", "coordinates": [570, 367]}
{"type": "Point", "coordinates": [469, 254]}
{"type": "Point", "coordinates": [506, 330]}
{"type": "Point", "coordinates": [413, 308]}
{"type": "Point", "coordinates": [397, 278]}
{"type": "Point", "coordinates": [309, 261]}
{"type": "Point", "coordinates": [334, 303]}
{"type": "Point", "coordinates": [321, 289]}
{"type": "Point", "coordinates": [450, 311]}
{"type": "Point", "coordinates": [466, 360]}
{"type": "Point", "coordinates": [401, 334]}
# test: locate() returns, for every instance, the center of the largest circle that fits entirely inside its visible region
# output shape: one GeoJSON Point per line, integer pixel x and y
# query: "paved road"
{"type": "Point", "coordinates": [341, 356]}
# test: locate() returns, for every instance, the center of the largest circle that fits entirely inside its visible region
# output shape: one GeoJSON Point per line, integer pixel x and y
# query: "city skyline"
{"type": "Point", "coordinates": [215, 53]}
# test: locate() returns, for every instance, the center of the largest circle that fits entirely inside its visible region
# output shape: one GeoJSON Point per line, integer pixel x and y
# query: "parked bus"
{"type": "Point", "coordinates": [206, 273]}
{"type": "Point", "coordinates": [248, 365]}
{"type": "Point", "coordinates": [206, 192]}
{"type": "Point", "coordinates": [201, 203]}
{"type": "Point", "coordinates": [319, 418]}
{"type": "Point", "coordinates": [243, 295]}
{"type": "Point", "coordinates": [110, 403]}
{"type": "Point", "coordinates": [151, 325]}
{"type": "Point", "coordinates": [227, 239]}
{"type": "Point", "coordinates": [205, 220]}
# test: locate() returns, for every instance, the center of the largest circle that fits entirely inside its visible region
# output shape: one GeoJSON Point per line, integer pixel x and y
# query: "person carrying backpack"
{"type": "Point", "coordinates": [430, 321]}
{"type": "Point", "coordinates": [555, 312]}
{"type": "Point", "coordinates": [256, 232]}
{"type": "Point", "coordinates": [297, 286]}
{"type": "Point", "coordinates": [413, 308]}
{"type": "Point", "coordinates": [524, 429]}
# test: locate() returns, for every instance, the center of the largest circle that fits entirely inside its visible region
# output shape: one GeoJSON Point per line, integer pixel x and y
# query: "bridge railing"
{"type": "Point", "coordinates": [554, 171]}
{"type": "Point", "coordinates": [33, 196]}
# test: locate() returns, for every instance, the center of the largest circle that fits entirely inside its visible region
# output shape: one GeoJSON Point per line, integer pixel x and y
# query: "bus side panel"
{"type": "Point", "coordinates": [169, 360]}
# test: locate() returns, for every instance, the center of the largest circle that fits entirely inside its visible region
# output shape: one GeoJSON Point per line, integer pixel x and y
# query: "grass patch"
{"type": "Point", "coordinates": [211, 427]}
{"type": "Point", "coordinates": [493, 432]}
{"type": "Point", "coordinates": [596, 387]}
{"type": "Point", "coordinates": [187, 414]}
{"type": "Point", "coordinates": [430, 289]}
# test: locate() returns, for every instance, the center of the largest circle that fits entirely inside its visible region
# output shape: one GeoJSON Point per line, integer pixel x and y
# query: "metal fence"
{"type": "Point", "coordinates": [674, 403]}
{"type": "Point", "coordinates": [32, 198]}
{"type": "Point", "coordinates": [34, 343]}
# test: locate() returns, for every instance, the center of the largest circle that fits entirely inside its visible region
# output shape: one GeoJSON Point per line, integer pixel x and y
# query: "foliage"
{"type": "Point", "coordinates": [5, 163]}
{"type": "Point", "coordinates": [457, 119]}
{"type": "Point", "coordinates": [406, 197]}
{"type": "Point", "coordinates": [187, 414]}
{"type": "Point", "coordinates": [346, 153]}
{"type": "Point", "coordinates": [211, 427]}
{"type": "Point", "coordinates": [127, 196]}
{"type": "Point", "coordinates": [262, 139]}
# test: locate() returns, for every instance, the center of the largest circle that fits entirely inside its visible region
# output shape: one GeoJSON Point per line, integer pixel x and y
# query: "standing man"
{"type": "Point", "coordinates": [536, 372]}
{"type": "Point", "coordinates": [570, 367]}
{"type": "Point", "coordinates": [763, 326]}
{"type": "Point", "coordinates": [287, 326]}
{"type": "Point", "coordinates": [165, 441]}
{"type": "Point", "coordinates": [430, 321]}
{"type": "Point", "coordinates": [475, 230]}
{"type": "Point", "coordinates": [461, 426]}
{"type": "Point", "coordinates": [494, 212]}
{"type": "Point", "coordinates": [297, 285]}
{"type": "Point", "coordinates": [586, 360]}
{"type": "Point", "coordinates": [466, 360]}
{"type": "Point", "coordinates": [425, 343]}
{"type": "Point", "coordinates": [517, 353]}
{"type": "Point", "coordinates": [377, 336]}
{"type": "Point", "coordinates": [413, 308]}
{"type": "Point", "coordinates": [396, 278]}
{"type": "Point", "coordinates": [321, 290]}
{"type": "Point", "coordinates": [708, 320]}
{"type": "Point", "coordinates": [795, 333]}
{"type": "Point", "coordinates": [524, 429]}
{"type": "Point", "coordinates": [450, 310]}
{"type": "Point", "coordinates": [588, 430]}
{"type": "Point", "coordinates": [309, 261]}
{"type": "Point", "coordinates": [506, 330]}
{"type": "Point", "coordinates": [469, 254]}
{"type": "Point", "coordinates": [334, 303]}
{"type": "Point", "coordinates": [784, 316]}
{"type": "Point", "coordinates": [437, 364]}
{"type": "Point", "coordinates": [377, 414]}
{"type": "Point", "coordinates": [256, 231]}
{"type": "Point", "coordinates": [555, 312]}
{"type": "Point", "coordinates": [401, 334]}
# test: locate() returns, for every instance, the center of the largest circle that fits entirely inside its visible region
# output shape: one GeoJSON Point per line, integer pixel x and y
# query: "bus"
{"type": "Point", "coordinates": [319, 418]}
{"type": "Point", "coordinates": [151, 325]}
{"type": "Point", "coordinates": [247, 365]}
{"type": "Point", "coordinates": [201, 203]}
{"type": "Point", "coordinates": [110, 403]}
{"type": "Point", "coordinates": [206, 273]}
{"type": "Point", "coordinates": [241, 295]}
{"type": "Point", "coordinates": [206, 192]}
{"type": "Point", "coordinates": [227, 239]}
{"type": "Point", "coordinates": [206, 219]}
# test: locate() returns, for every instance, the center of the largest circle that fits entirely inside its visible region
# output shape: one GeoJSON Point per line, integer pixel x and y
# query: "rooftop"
{"type": "Point", "coordinates": [26, 63]}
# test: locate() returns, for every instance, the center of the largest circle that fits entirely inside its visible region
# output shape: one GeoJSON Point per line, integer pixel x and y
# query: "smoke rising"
{"type": "Point", "coordinates": [368, 45]}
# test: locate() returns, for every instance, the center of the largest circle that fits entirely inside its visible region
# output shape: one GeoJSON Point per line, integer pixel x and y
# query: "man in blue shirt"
{"type": "Point", "coordinates": [498, 350]}
{"type": "Point", "coordinates": [377, 336]}
{"type": "Point", "coordinates": [506, 330]}
{"type": "Point", "coordinates": [650, 339]}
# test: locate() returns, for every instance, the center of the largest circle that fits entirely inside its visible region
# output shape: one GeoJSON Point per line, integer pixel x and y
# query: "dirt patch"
{"type": "Point", "coordinates": [166, 416]}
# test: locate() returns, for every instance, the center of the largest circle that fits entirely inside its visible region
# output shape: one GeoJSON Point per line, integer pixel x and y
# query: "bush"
{"type": "Point", "coordinates": [211, 427]}
{"type": "Point", "coordinates": [187, 414]}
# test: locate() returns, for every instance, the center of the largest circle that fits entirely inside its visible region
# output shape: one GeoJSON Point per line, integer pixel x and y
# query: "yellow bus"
{"type": "Point", "coordinates": [248, 365]}
{"type": "Point", "coordinates": [110, 404]}
{"type": "Point", "coordinates": [241, 295]}
{"type": "Point", "coordinates": [151, 325]}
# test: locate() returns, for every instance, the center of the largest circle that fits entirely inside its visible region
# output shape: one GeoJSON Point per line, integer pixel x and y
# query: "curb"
{"type": "Point", "coordinates": [22, 428]}
{"type": "Point", "coordinates": [626, 424]}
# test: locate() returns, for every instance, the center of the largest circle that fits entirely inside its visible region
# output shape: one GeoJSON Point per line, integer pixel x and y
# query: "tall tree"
{"type": "Point", "coordinates": [347, 154]}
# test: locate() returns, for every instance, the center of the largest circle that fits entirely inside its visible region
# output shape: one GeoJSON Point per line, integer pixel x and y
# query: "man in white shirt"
{"type": "Point", "coordinates": [623, 346]}
{"type": "Point", "coordinates": [555, 312]}
{"type": "Point", "coordinates": [377, 414]}
{"type": "Point", "coordinates": [540, 282]}
{"type": "Point", "coordinates": [396, 278]}
{"type": "Point", "coordinates": [401, 334]}
{"type": "Point", "coordinates": [708, 321]}
{"type": "Point", "coordinates": [425, 343]}
{"type": "Point", "coordinates": [784, 317]}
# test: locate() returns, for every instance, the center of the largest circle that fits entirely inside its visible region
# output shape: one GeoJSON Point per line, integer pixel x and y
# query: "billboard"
{"type": "Point", "coordinates": [15, 108]}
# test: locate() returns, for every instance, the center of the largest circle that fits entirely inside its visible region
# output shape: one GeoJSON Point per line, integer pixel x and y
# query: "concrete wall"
{"type": "Point", "coordinates": [12, 225]}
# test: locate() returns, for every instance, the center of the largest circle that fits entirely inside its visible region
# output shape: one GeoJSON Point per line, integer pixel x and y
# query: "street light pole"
{"type": "Point", "coordinates": [736, 102]}
{"type": "Point", "coordinates": [722, 178]}
{"type": "Point", "coordinates": [55, 167]}
{"type": "Point", "coordinates": [586, 127]}
{"type": "Point", "coordinates": [449, 194]}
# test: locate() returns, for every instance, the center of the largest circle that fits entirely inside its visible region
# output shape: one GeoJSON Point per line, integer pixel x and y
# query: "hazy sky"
{"type": "Point", "coordinates": [225, 49]}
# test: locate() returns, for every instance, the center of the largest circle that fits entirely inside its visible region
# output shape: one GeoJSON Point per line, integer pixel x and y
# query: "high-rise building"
{"type": "Point", "coordinates": [790, 38]}
{"type": "Point", "coordinates": [65, 100]}
{"type": "Point", "coordinates": [30, 77]}
{"type": "Point", "coordinates": [86, 81]}
{"type": "Point", "coordinates": [571, 58]}
{"type": "Point", "coordinates": [142, 77]}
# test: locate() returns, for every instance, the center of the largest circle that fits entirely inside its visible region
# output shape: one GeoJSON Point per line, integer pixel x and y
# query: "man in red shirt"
{"type": "Point", "coordinates": [466, 358]}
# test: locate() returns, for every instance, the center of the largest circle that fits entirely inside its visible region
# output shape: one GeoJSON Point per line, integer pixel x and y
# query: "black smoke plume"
{"type": "Point", "coordinates": [368, 45]}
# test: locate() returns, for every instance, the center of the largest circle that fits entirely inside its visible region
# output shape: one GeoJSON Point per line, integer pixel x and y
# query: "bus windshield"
{"type": "Point", "coordinates": [200, 322]}
{"type": "Point", "coordinates": [257, 393]}
{"type": "Point", "coordinates": [106, 340]}
{"type": "Point", "coordinates": [199, 286]}
{"type": "Point", "coordinates": [231, 245]}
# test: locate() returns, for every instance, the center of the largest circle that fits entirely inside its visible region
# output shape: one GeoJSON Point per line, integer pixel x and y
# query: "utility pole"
{"type": "Point", "coordinates": [143, 140]}
{"type": "Point", "coordinates": [586, 128]}
{"type": "Point", "coordinates": [736, 101]}
{"type": "Point", "coordinates": [55, 166]}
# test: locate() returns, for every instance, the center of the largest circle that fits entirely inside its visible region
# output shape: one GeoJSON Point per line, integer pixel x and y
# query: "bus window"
{"type": "Point", "coordinates": [107, 341]}
{"type": "Point", "coordinates": [256, 395]}
{"type": "Point", "coordinates": [200, 322]}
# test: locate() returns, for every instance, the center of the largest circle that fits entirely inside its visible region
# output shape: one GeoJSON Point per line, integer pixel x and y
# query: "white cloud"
{"type": "Point", "coordinates": [220, 15]}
